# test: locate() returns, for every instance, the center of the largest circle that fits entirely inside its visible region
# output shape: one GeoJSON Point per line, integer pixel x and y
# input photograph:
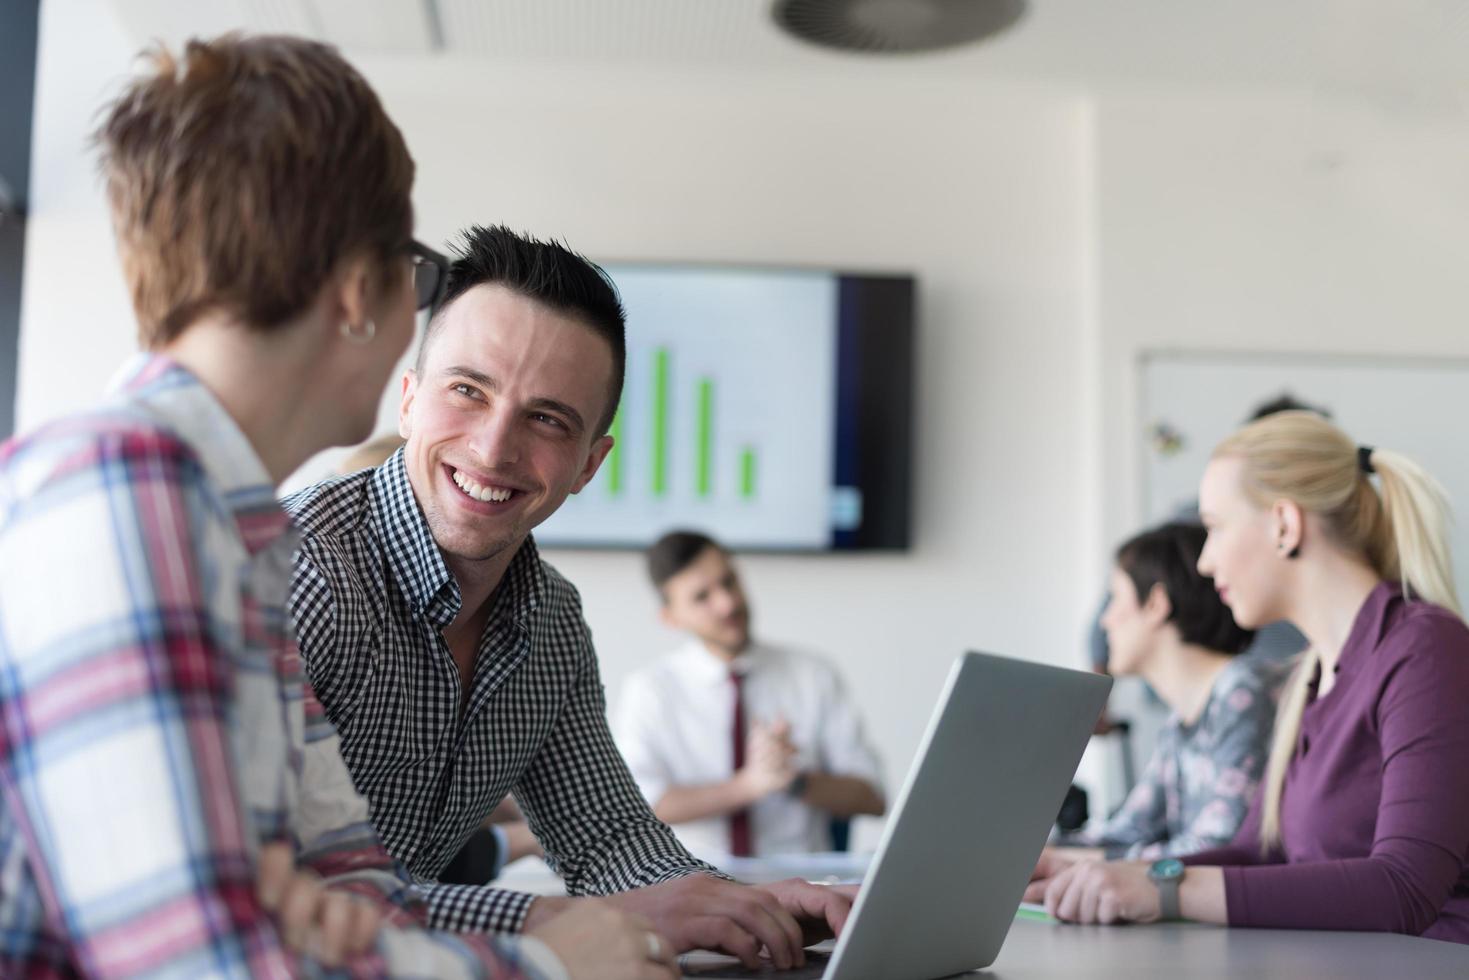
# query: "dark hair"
{"type": "Point", "coordinates": [1169, 555]}
{"type": "Point", "coordinates": [674, 552]}
{"type": "Point", "coordinates": [545, 271]}
{"type": "Point", "coordinates": [241, 173]}
{"type": "Point", "coordinates": [1285, 402]}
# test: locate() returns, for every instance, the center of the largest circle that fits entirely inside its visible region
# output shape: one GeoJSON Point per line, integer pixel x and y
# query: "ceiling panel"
{"type": "Point", "coordinates": [654, 30]}
{"type": "Point", "coordinates": [1413, 46]}
{"type": "Point", "coordinates": [402, 27]}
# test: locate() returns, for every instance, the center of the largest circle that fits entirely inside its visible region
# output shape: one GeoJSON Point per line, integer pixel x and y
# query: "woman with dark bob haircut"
{"type": "Point", "coordinates": [1166, 624]}
{"type": "Point", "coordinates": [166, 771]}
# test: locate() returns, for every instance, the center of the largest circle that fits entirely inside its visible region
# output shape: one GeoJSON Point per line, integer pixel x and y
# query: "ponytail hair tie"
{"type": "Point", "coordinates": [1364, 459]}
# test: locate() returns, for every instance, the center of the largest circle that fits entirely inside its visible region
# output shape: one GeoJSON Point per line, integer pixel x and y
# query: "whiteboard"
{"type": "Point", "coordinates": [1416, 406]}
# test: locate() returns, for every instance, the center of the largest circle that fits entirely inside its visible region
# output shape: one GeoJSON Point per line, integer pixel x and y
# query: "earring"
{"type": "Point", "coordinates": [369, 330]}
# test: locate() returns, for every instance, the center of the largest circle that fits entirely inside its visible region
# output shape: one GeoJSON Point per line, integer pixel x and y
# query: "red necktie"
{"type": "Point", "coordinates": [739, 821]}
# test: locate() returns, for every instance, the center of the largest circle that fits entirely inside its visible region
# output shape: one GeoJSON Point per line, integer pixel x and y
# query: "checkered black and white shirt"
{"type": "Point", "coordinates": [370, 597]}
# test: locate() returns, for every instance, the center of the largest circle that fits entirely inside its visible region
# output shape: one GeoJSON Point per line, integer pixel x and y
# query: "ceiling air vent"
{"type": "Point", "coordinates": [895, 26]}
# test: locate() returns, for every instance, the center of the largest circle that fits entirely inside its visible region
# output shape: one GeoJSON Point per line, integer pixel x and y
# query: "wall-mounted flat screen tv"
{"type": "Point", "coordinates": [770, 408]}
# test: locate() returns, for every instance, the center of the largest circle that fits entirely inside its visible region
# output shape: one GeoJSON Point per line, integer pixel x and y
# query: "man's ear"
{"type": "Point", "coordinates": [665, 615]}
{"type": "Point", "coordinates": [408, 390]}
{"type": "Point", "coordinates": [595, 455]}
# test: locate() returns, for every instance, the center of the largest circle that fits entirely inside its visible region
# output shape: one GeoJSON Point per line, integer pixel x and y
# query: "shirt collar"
{"type": "Point", "coordinates": [704, 667]}
{"type": "Point", "coordinates": [171, 394]}
{"type": "Point", "coordinates": [418, 565]}
{"type": "Point", "coordinates": [1368, 627]}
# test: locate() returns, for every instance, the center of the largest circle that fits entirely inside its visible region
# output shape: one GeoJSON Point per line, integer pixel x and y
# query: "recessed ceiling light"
{"type": "Point", "coordinates": [895, 26]}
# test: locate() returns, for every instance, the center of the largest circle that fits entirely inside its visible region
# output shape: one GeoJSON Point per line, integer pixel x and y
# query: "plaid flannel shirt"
{"type": "Point", "coordinates": [156, 728]}
{"type": "Point", "coordinates": [370, 599]}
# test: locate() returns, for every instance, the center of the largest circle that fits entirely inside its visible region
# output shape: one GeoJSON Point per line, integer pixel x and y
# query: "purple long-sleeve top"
{"type": "Point", "coordinates": [1374, 818]}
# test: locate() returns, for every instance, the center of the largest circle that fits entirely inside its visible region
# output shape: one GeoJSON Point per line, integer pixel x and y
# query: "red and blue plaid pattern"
{"type": "Point", "coordinates": [155, 728]}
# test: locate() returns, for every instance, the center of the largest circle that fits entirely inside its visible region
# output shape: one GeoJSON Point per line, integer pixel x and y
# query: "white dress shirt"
{"type": "Point", "coordinates": [675, 726]}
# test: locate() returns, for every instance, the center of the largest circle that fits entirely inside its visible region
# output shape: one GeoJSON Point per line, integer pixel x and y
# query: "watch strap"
{"type": "Point", "coordinates": [1168, 898]}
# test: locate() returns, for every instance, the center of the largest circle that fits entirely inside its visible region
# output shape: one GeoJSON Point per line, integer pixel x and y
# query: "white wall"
{"type": "Point", "coordinates": [76, 324]}
{"type": "Point", "coordinates": [982, 191]}
{"type": "Point", "coordinates": [1271, 220]}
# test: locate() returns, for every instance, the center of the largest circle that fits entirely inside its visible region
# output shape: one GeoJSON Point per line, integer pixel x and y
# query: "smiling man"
{"type": "Point", "coordinates": [455, 663]}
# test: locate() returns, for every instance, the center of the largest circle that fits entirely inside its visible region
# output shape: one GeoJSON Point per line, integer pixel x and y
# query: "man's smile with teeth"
{"type": "Point", "coordinates": [481, 492]}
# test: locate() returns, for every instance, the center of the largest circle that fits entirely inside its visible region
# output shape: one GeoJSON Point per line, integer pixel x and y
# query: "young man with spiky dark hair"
{"type": "Point", "coordinates": [455, 662]}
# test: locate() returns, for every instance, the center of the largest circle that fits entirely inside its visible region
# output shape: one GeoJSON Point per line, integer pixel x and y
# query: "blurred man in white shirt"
{"type": "Point", "coordinates": [746, 749]}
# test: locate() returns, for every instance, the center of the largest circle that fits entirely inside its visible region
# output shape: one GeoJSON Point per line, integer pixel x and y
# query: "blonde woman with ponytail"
{"type": "Point", "coordinates": [1362, 822]}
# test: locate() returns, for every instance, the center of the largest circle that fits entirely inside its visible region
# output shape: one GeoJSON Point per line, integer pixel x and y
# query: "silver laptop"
{"type": "Point", "coordinates": [967, 827]}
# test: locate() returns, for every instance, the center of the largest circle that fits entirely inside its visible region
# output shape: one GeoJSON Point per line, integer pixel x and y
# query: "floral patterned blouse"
{"type": "Point", "coordinates": [1198, 785]}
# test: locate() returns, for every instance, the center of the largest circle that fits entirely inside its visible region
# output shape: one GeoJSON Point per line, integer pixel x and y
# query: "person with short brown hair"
{"type": "Point", "coordinates": [164, 769]}
{"type": "Point", "coordinates": [273, 167]}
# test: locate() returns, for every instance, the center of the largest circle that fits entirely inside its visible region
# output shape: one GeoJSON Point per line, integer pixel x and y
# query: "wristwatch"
{"type": "Point", "coordinates": [797, 788]}
{"type": "Point", "coordinates": [1166, 874]}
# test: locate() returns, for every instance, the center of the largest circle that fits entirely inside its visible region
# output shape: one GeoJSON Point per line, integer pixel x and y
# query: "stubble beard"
{"type": "Point", "coordinates": [456, 541]}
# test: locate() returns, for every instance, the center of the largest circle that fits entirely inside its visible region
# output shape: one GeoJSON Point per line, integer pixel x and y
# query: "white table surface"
{"type": "Point", "coordinates": [1035, 950]}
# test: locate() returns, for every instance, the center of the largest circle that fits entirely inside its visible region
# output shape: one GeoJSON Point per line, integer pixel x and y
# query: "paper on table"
{"type": "Point", "coordinates": [1030, 910]}
{"type": "Point", "coordinates": [826, 867]}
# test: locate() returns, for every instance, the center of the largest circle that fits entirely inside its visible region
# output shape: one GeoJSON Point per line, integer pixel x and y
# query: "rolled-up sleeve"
{"type": "Point", "coordinates": [598, 830]}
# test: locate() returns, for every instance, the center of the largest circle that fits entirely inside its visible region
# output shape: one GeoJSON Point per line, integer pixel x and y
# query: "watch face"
{"type": "Point", "coordinates": [1165, 869]}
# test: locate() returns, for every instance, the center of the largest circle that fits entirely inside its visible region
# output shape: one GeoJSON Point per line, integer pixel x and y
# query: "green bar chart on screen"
{"type": "Point", "coordinates": [660, 422]}
{"type": "Point", "coordinates": [662, 450]}
{"type": "Point", "coordinates": [703, 450]}
{"type": "Point", "coordinates": [614, 458]}
{"type": "Point", "coordinates": [725, 420]}
{"type": "Point", "coordinates": [747, 473]}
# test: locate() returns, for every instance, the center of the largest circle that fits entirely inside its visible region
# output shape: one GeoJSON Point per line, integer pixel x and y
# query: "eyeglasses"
{"type": "Point", "coordinates": [430, 275]}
